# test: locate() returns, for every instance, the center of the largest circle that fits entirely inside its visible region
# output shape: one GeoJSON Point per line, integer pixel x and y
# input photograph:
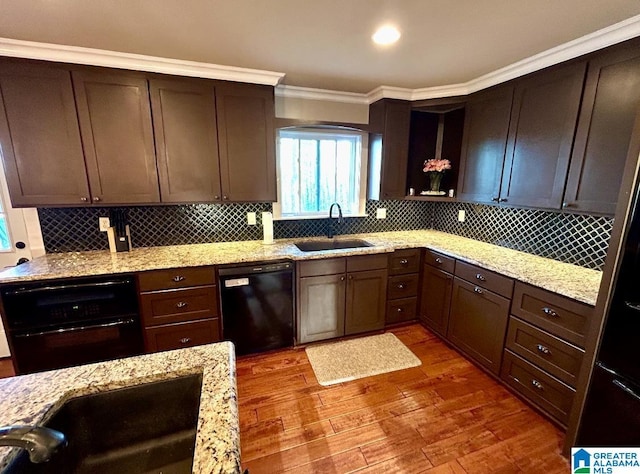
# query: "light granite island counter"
{"type": "Point", "coordinates": [32, 399]}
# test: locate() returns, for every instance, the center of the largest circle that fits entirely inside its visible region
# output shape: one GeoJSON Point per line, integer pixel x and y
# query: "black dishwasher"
{"type": "Point", "coordinates": [257, 305]}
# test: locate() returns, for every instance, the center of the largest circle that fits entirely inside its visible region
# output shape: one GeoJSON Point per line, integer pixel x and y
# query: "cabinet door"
{"type": "Point", "coordinates": [484, 144]}
{"type": "Point", "coordinates": [395, 150]}
{"type": "Point", "coordinates": [321, 309]}
{"type": "Point", "coordinates": [366, 301]}
{"type": "Point", "coordinates": [186, 136]}
{"type": "Point", "coordinates": [40, 138]}
{"type": "Point", "coordinates": [543, 121]}
{"type": "Point", "coordinates": [115, 122]}
{"type": "Point", "coordinates": [611, 98]}
{"type": "Point", "coordinates": [478, 323]}
{"type": "Point", "coordinates": [436, 299]}
{"type": "Point", "coordinates": [247, 142]}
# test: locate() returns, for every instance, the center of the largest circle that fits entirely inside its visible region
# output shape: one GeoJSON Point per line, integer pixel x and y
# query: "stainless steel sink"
{"type": "Point", "coordinates": [143, 429]}
{"type": "Point", "coordinates": [319, 245]}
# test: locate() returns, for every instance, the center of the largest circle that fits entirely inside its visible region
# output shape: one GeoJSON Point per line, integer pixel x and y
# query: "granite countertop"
{"type": "Point", "coordinates": [31, 399]}
{"type": "Point", "coordinates": [575, 282]}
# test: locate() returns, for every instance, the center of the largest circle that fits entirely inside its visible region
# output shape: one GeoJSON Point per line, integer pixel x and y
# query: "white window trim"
{"type": "Point", "coordinates": [364, 169]}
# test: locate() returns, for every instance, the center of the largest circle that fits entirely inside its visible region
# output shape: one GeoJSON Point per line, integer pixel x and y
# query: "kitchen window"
{"type": "Point", "coordinates": [317, 167]}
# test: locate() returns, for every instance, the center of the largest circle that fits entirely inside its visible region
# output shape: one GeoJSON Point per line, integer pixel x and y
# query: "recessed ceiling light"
{"type": "Point", "coordinates": [386, 35]}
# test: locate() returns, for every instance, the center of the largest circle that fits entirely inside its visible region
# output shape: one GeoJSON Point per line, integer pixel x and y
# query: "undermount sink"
{"type": "Point", "coordinates": [146, 428]}
{"type": "Point", "coordinates": [318, 245]}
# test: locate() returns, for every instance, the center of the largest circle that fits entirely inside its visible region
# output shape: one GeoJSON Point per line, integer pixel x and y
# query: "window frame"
{"type": "Point", "coordinates": [329, 131]}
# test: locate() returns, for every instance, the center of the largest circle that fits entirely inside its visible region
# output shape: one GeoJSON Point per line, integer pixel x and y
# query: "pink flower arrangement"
{"type": "Point", "coordinates": [437, 165]}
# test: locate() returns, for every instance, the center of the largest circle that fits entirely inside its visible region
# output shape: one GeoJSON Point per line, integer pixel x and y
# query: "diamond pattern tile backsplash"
{"type": "Point", "coordinates": [579, 239]}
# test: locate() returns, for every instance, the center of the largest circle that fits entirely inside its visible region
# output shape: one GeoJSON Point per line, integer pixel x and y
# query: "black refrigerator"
{"type": "Point", "coordinates": [611, 416]}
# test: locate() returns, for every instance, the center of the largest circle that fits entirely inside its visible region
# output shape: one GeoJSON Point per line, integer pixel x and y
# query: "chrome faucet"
{"type": "Point", "coordinates": [330, 228]}
{"type": "Point", "coordinates": [40, 442]}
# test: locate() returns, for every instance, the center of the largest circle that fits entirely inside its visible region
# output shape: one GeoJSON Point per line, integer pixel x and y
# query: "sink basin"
{"type": "Point", "coordinates": [143, 429]}
{"type": "Point", "coordinates": [318, 245]}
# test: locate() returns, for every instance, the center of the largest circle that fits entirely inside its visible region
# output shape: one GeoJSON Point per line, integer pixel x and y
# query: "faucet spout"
{"type": "Point", "coordinates": [40, 442]}
{"type": "Point", "coordinates": [330, 222]}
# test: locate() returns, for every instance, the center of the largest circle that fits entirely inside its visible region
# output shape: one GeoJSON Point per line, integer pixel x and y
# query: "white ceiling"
{"type": "Point", "coordinates": [325, 43]}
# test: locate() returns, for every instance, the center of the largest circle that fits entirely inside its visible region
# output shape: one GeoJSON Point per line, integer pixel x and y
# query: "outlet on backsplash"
{"type": "Point", "coordinates": [251, 218]}
{"type": "Point", "coordinates": [381, 213]}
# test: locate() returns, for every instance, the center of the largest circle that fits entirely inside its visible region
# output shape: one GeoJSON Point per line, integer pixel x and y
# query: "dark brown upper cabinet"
{"type": "Point", "coordinates": [611, 99]}
{"type": "Point", "coordinates": [246, 137]}
{"type": "Point", "coordinates": [484, 144]}
{"type": "Point", "coordinates": [389, 119]}
{"type": "Point", "coordinates": [186, 137]}
{"type": "Point", "coordinates": [39, 136]}
{"type": "Point", "coordinates": [543, 122]}
{"type": "Point", "coordinates": [115, 124]}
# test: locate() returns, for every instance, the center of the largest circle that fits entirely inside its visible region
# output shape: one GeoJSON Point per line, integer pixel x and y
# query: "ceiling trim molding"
{"type": "Point", "coordinates": [308, 93]}
{"type": "Point", "coordinates": [139, 62]}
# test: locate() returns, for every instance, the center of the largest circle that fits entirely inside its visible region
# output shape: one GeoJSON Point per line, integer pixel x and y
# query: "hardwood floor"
{"type": "Point", "coordinates": [6, 368]}
{"type": "Point", "coordinates": [446, 416]}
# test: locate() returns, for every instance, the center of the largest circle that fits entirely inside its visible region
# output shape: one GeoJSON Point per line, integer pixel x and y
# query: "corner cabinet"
{"type": "Point", "coordinates": [247, 142]}
{"type": "Point", "coordinates": [40, 137]}
{"type": "Point", "coordinates": [115, 123]}
{"type": "Point", "coordinates": [341, 296]}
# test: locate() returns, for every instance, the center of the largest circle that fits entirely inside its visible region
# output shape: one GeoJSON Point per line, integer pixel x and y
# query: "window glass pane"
{"type": "Point", "coordinates": [5, 243]}
{"type": "Point", "coordinates": [327, 177]}
{"type": "Point", "coordinates": [346, 185]}
{"type": "Point", "coordinates": [289, 176]}
{"type": "Point", "coordinates": [308, 175]}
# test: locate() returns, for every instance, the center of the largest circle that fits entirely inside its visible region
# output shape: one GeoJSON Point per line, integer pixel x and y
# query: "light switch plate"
{"type": "Point", "coordinates": [251, 218]}
{"type": "Point", "coordinates": [104, 223]}
{"type": "Point", "coordinates": [381, 213]}
{"type": "Point", "coordinates": [461, 215]}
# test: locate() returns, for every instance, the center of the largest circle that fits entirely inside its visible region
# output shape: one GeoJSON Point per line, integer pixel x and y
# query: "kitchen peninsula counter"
{"type": "Point", "coordinates": [31, 399]}
{"type": "Point", "coordinates": [572, 281]}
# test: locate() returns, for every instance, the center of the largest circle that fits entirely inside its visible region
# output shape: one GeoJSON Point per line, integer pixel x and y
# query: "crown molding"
{"type": "Point", "coordinates": [308, 93]}
{"type": "Point", "coordinates": [139, 62]}
{"type": "Point", "coordinates": [389, 92]}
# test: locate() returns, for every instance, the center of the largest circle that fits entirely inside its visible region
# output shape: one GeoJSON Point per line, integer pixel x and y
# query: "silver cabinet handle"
{"type": "Point", "coordinates": [544, 349]}
{"type": "Point", "coordinates": [178, 278]}
{"type": "Point", "coordinates": [341, 278]}
{"type": "Point", "coordinates": [438, 260]}
{"type": "Point", "coordinates": [182, 304]}
{"type": "Point", "coordinates": [537, 384]}
{"type": "Point", "coordinates": [216, 197]}
{"type": "Point", "coordinates": [225, 197]}
{"type": "Point", "coordinates": [502, 200]}
{"type": "Point", "coordinates": [185, 340]}
{"type": "Point", "coordinates": [549, 312]}
{"type": "Point", "coordinates": [495, 199]}
{"type": "Point", "coordinates": [399, 310]}
{"type": "Point", "coordinates": [478, 290]}
{"type": "Point", "coordinates": [401, 286]}
{"type": "Point", "coordinates": [84, 199]}
{"type": "Point", "coordinates": [404, 261]}
{"type": "Point", "coordinates": [96, 199]}
{"type": "Point", "coordinates": [481, 277]}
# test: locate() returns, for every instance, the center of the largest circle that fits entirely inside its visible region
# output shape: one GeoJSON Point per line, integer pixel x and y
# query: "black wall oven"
{"type": "Point", "coordinates": [58, 324]}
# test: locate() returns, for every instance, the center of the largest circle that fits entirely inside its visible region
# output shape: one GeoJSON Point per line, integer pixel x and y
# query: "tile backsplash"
{"type": "Point", "coordinates": [579, 239]}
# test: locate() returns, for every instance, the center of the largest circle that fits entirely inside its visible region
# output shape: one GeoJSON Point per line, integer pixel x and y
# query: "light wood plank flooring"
{"type": "Point", "coordinates": [446, 416]}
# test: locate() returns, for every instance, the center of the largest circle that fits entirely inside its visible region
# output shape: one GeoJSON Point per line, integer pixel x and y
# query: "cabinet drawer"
{"type": "Point", "coordinates": [403, 286]}
{"type": "Point", "coordinates": [557, 357]}
{"type": "Point", "coordinates": [401, 310]}
{"type": "Point", "coordinates": [556, 314]}
{"type": "Point", "coordinates": [172, 306]}
{"type": "Point", "coordinates": [404, 261]}
{"type": "Point", "coordinates": [176, 278]}
{"type": "Point", "coordinates": [326, 266]}
{"type": "Point", "coordinates": [181, 335]}
{"type": "Point", "coordinates": [439, 260]}
{"type": "Point", "coordinates": [485, 278]}
{"type": "Point", "coordinates": [361, 263]}
{"type": "Point", "coordinates": [546, 392]}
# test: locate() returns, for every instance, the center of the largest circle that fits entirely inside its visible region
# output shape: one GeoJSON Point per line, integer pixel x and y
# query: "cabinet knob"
{"type": "Point", "coordinates": [566, 205]}
{"type": "Point", "coordinates": [225, 197]}
{"type": "Point", "coordinates": [399, 310]}
{"type": "Point", "coordinates": [216, 197]}
{"type": "Point", "coordinates": [481, 277]}
{"type": "Point", "coordinates": [181, 304]}
{"type": "Point", "coordinates": [537, 384]}
{"type": "Point", "coordinates": [185, 340]}
{"type": "Point", "coordinates": [478, 290]}
{"type": "Point", "coordinates": [544, 349]}
{"type": "Point", "coordinates": [438, 261]}
{"type": "Point", "coordinates": [350, 277]}
{"type": "Point", "coordinates": [178, 278]}
{"type": "Point", "coordinates": [96, 199]}
{"type": "Point", "coordinates": [549, 312]}
{"type": "Point", "coordinates": [401, 286]}
{"type": "Point", "coordinates": [495, 199]}
{"type": "Point", "coordinates": [404, 261]}
{"type": "Point", "coordinates": [502, 200]}
{"type": "Point", "coordinates": [341, 278]}
{"type": "Point", "coordinates": [84, 199]}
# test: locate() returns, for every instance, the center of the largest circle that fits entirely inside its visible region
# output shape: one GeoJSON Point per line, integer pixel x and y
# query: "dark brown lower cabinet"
{"type": "Point", "coordinates": [366, 301]}
{"type": "Point", "coordinates": [478, 323]}
{"type": "Point", "coordinates": [181, 335]}
{"type": "Point", "coordinates": [435, 301]}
